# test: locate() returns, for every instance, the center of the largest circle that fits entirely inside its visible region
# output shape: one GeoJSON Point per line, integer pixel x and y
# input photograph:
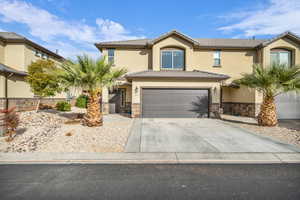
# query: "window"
{"type": "Point", "coordinates": [217, 58]}
{"type": "Point", "coordinates": [111, 55]}
{"type": "Point", "coordinates": [172, 59]}
{"type": "Point", "coordinates": [38, 53]}
{"type": "Point", "coordinates": [44, 56]}
{"type": "Point", "coordinates": [281, 56]}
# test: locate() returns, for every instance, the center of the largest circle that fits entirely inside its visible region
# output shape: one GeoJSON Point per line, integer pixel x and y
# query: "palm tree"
{"type": "Point", "coordinates": [91, 75]}
{"type": "Point", "coordinates": [271, 81]}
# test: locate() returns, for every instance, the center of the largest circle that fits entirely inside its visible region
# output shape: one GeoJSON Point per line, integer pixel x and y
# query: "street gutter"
{"type": "Point", "coordinates": [148, 158]}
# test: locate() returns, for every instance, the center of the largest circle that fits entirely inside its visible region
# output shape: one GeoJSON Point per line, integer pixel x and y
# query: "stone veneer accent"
{"type": "Point", "coordinates": [215, 107]}
{"type": "Point", "coordinates": [241, 109]}
{"type": "Point", "coordinates": [135, 110]}
{"type": "Point", "coordinates": [27, 104]}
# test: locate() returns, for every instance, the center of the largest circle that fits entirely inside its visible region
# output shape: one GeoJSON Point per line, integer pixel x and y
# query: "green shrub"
{"type": "Point", "coordinates": [82, 101]}
{"type": "Point", "coordinates": [63, 106]}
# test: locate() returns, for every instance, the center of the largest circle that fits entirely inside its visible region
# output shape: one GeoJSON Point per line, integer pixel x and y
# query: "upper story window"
{"type": "Point", "coordinates": [38, 53]}
{"type": "Point", "coordinates": [281, 56]}
{"type": "Point", "coordinates": [111, 55]}
{"type": "Point", "coordinates": [172, 59]}
{"type": "Point", "coordinates": [217, 58]}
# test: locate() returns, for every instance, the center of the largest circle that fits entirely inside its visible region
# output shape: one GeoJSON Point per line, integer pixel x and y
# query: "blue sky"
{"type": "Point", "coordinates": [72, 26]}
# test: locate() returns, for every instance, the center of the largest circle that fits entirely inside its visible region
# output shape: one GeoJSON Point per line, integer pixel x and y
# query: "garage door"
{"type": "Point", "coordinates": [288, 106]}
{"type": "Point", "coordinates": [185, 103]}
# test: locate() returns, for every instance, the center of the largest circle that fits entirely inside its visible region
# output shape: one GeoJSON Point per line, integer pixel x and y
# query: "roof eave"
{"type": "Point", "coordinates": [26, 41]}
{"type": "Point", "coordinates": [285, 34]}
{"type": "Point", "coordinates": [161, 76]}
{"type": "Point", "coordinates": [101, 46]}
{"type": "Point", "coordinates": [7, 70]}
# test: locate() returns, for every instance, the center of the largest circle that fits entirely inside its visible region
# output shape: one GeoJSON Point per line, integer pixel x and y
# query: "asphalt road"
{"type": "Point", "coordinates": [144, 182]}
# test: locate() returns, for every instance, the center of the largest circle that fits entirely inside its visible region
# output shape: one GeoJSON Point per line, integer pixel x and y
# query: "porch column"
{"type": "Point", "coordinates": [105, 101]}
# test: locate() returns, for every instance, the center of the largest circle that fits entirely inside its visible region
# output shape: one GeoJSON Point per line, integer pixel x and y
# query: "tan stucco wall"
{"type": "Point", "coordinates": [282, 43]}
{"type": "Point", "coordinates": [2, 85]}
{"type": "Point", "coordinates": [178, 83]}
{"type": "Point", "coordinates": [233, 62]}
{"type": "Point", "coordinates": [2, 47]}
{"type": "Point", "coordinates": [19, 56]}
{"type": "Point", "coordinates": [15, 56]}
{"type": "Point", "coordinates": [18, 88]}
{"type": "Point", "coordinates": [31, 57]}
{"type": "Point", "coordinates": [172, 41]}
{"type": "Point", "coordinates": [131, 59]}
{"type": "Point", "coordinates": [240, 95]}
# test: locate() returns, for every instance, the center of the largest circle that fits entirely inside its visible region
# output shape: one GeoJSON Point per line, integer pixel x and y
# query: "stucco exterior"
{"type": "Point", "coordinates": [18, 55]}
{"type": "Point", "coordinates": [234, 62]}
{"type": "Point", "coordinates": [132, 59]}
{"type": "Point", "coordinates": [284, 43]}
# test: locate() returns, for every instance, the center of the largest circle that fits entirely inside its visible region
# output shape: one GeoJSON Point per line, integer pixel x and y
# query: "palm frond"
{"type": "Point", "coordinates": [272, 80]}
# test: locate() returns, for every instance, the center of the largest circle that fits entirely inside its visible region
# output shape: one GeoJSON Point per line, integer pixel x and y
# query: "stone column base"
{"type": "Point", "coordinates": [136, 110]}
{"type": "Point", "coordinates": [241, 109]}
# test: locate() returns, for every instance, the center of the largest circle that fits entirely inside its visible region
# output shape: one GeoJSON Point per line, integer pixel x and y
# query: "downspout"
{"type": "Point", "coordinates": [6, 89]}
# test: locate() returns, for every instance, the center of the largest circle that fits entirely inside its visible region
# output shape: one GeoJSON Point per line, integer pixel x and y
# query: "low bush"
{"type": "Point", "coordinates": [82, 101]}
{"type": "Point", "coordinates": [63, 106]}
{"type": "Point", "coordinates": [10, 120]}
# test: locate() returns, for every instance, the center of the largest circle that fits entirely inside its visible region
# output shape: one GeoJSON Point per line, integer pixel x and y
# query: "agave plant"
{"type": "Point", "coordinates": [90, 75]}
{"type": "Point", "coordinates": [271, 81]}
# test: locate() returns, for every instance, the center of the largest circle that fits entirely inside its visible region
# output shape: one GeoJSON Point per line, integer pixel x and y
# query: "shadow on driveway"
{"type": "Point", "coordinates": [293, 124]}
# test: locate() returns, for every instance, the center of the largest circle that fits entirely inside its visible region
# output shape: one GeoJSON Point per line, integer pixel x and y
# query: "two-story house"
{"type": "Point", "coordinates": [16, 53]}
{"type": "Point", "coordinates": [174, 75]}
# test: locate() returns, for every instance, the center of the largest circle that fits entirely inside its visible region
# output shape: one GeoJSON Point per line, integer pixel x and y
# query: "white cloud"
{"type": "Point", "coordinates": [111, 30]}
{"type": "Point", "coordinates": [50, 28]}
{"type": "Point", "coordinates": [276, 17]}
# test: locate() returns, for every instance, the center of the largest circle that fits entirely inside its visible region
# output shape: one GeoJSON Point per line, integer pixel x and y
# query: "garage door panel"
{"type": "Point", "coordinates": [175, 103]}
{"type": "Point", "coordinates": [288, 106]}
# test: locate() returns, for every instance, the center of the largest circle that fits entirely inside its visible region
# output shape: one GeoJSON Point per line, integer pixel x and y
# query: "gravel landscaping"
{"type": "Point", "coordinates": [288, 131]}
{"type": "Point", "coordinates": [53, 131]}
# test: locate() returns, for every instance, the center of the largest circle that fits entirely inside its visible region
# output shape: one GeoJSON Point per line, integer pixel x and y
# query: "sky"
{"type": "Point", "coordinates": [73, 26]}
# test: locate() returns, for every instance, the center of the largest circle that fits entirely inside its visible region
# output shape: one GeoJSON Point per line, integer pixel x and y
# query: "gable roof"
{"type": "Point", "coordinates": [285, 34]}
{"type": "Point", "coordinates": [197, 42]}
{"type": "Point", "coordinates": [173, 32]}
{"type": "Point", "coordinates": [11, 37]}
{"type": "Point", "coordinates": [176, 74]}
{"type": "Point", "coordinates": [200, 42]}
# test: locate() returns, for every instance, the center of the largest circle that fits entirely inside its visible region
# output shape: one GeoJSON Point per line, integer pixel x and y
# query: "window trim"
{"type": "Point", "coordinates": [111, 57]}
{"type": "Point", "coordinates": [282, 50]}
{"type": "Point", "coordinates": [172, 50]}
{"type": "Point", "coordinates": [219, 58]}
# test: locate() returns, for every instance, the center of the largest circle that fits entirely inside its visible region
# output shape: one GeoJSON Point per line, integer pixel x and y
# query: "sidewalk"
{"type": "Point", "coordinates": [148, 158]}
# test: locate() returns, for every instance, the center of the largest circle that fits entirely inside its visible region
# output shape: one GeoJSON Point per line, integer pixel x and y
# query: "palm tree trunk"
{"type": "Point", "coordinates": [93, 116]}
{"type": "Point", "coordinates": [267, 115]}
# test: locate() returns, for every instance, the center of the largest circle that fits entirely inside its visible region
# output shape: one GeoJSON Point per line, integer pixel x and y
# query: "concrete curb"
{"type": "Point", "coordinates": [148, 158]}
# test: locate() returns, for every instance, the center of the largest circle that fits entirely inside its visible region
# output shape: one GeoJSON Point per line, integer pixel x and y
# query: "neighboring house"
{"type": "Point", "coordinates": [16, 53]}
{"type": "Point", "coordinates": [175, 75]}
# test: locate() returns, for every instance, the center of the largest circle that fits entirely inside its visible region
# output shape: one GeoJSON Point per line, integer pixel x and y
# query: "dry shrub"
{"type": "Point", "coordinates": [45, 106]}
{"type": "Point", "coordinates": [69, 133]}
{"type": "Point", "coordinates": [73, 121]}
{"type": "Point", "coordinates": [9, 120]}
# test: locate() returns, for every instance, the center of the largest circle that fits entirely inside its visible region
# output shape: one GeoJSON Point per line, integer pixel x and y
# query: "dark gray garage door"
{"type": "Point", "coordinates": [185, 103]}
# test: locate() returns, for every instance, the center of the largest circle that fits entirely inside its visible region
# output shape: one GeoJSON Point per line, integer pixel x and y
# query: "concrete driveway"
{"type": "Point", "coordinates": [197, 135]}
